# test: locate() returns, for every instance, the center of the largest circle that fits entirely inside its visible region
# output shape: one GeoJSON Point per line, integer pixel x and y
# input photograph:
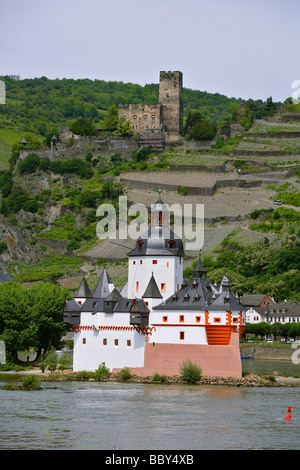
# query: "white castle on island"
{"type": "Point", "coordinates": [158, 320]}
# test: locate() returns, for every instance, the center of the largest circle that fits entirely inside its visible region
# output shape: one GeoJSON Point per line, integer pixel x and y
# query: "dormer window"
{"type": "Point", "coordinates": [172, 244]}
{"type": "Point", "coordinates": [140, 245]}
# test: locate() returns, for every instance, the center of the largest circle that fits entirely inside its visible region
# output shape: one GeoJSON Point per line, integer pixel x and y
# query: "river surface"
{"type": "Point", "coordinates": [120, 416]}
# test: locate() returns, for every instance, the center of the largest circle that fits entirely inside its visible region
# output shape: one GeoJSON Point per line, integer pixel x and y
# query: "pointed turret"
{"type": "Point", "coordinates": [224, 286]}
{"type": "Point", "coordinates": [199, 270]}
{"type": "Point", "coordinates": [152, 291]}
{"type": "Point", "coordinates": [84, 291]}
{"type": "Point", "coordinates": [102, 289]}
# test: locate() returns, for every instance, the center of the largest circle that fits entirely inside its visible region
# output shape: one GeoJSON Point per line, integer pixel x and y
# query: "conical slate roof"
{"type": "Point", "coordinates": [102, 288]}
{"type": "Point", "coordinates": [152, 291]}
{"type": "Point", "coordinates": [84, 290]}
{"type": "Point", "coordinates": [199, 269]}
{"type": "Point", "coordinates": [114, 296]}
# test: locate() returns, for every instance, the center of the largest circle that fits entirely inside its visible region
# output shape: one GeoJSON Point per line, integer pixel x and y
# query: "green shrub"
{"type": "Point", "coordinates": [31, 381]}
{"type": "Point", "coordinates": [159, 378]}
{"type": "Point", "coordinates": [190, 372]}
{"type": "Point", "coordinates": [102, 371]}
{"type": "Point", "coordinates": [83, 374]}
{"type": "Point", "coordinates": [125, 374]}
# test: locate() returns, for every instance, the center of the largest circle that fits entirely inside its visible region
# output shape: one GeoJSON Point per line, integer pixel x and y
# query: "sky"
{"type": "Point", "coordinates": [238, 48]}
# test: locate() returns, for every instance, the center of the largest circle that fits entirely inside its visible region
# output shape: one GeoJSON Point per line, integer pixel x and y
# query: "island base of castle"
{"type": "Point", "coordinates": [214, 360]}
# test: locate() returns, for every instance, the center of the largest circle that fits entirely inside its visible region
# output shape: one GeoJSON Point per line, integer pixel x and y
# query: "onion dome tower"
{"type": "Point", "coordinates": [158, 251]}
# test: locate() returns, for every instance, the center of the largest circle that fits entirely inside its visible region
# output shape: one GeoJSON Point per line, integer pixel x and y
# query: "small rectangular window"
{"type": "Point", "coordinates": [83, 340]}
{"type": "Point", "coordinates": [154, 261]}
{"type": "Point", "coordinates": [217, 320]}
{"type": "Point", "coordinates": [137, 287]}
{"type": "Point", "coordinates": [163, 287]}
{"type": "Point", "coordinates": [116, 342]}
{"type": "Point", "coordinates": [165, 319]}
{"type": "Point", "coordinates": [105, 341]}
{"type": "Point", "coordinates": [129, 342]}
{"type": "Point", "coordinates": [181, 335]}
{"type": "Point", "coordinates": [181, 318]}
{"type": "Point", "coordinates": [198, 319]}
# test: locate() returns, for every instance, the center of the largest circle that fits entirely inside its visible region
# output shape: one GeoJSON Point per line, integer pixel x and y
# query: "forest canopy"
{"type": "Point", "coordinates": [40, 104]}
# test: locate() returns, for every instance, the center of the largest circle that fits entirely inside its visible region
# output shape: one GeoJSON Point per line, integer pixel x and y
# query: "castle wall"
{"type": "Point", "coordinates": [141, 116]}
{"type": "Point", "coordinates": [107, 338]}
{"type": "Point", "coordinates": [224, 361]}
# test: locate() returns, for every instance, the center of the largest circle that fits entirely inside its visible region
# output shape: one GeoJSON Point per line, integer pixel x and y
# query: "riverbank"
{"type": "Point", "coordinates": [281, 352]}
{"type": "Point", "coordinates": [249, 379]}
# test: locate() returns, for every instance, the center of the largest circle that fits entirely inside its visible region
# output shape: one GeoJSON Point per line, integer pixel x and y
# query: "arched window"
{"type": "Point", "coordinates": [160, 217]}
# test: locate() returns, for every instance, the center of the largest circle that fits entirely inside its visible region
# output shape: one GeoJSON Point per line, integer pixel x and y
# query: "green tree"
{"type": "Point", "coordinates": [31, 318]}
{"type": "Point", "coordinates": [193, 117]}
{"type": "Point", "coordinates": [203, 131]}
{"type": "Point", "coordinates": [110, 122]}
{"type": "Point", "coordinates": [83, 127]}
{"type": "Point", "coordinates": [47, 300]}
{"type": "Point", "coordinates": [18, 328]}
{"type": "Point", "coordinates": [270, 107]}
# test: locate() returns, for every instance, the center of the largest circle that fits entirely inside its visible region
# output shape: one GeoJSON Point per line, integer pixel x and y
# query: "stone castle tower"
{"type": "Point", "coordinates": [170, 98]}
{"type": "Point", "coordinates": [157, 124]}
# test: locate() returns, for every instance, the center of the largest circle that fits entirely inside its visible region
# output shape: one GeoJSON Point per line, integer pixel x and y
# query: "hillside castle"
{"type": "Point", "coordinates": [161, 123]}
{"type": "Point", "coordinates": [158, 320]}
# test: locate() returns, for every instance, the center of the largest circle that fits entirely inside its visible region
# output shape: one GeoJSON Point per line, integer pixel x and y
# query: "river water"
{"type": "Point", "coordinates": [120, 416]}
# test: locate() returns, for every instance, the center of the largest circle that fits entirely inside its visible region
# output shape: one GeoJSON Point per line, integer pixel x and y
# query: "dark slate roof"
{"type": "Point", "coordinates": [131, 305]}
{"type": "Point", "coordinates": [283, 309]}
{"type": "Point", "coordinates": [194, 295]}
{"type": "Point", "coordinates": [72, 306]}
{"type": "Point", "coordinates": [155, 242]}
{"type": "Point", "coordinates": [200, 294]}
{"type": "Point", "coordinates": [92, 305]}
{"type": "Point", "coordinates": [114, 296]}
{"type": "Point", "coordinates": [199, 269]}
{"type": "Point", "coordinates": [152, 291]}
{"type": "Point", "coordinates": [139, 306]}
{"type": "Point", "coordinates": [102, 288]}
{"type": "Point", "coordinates": [84, 290]}
{"type": "Point", "coordinates": [253, 299]}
